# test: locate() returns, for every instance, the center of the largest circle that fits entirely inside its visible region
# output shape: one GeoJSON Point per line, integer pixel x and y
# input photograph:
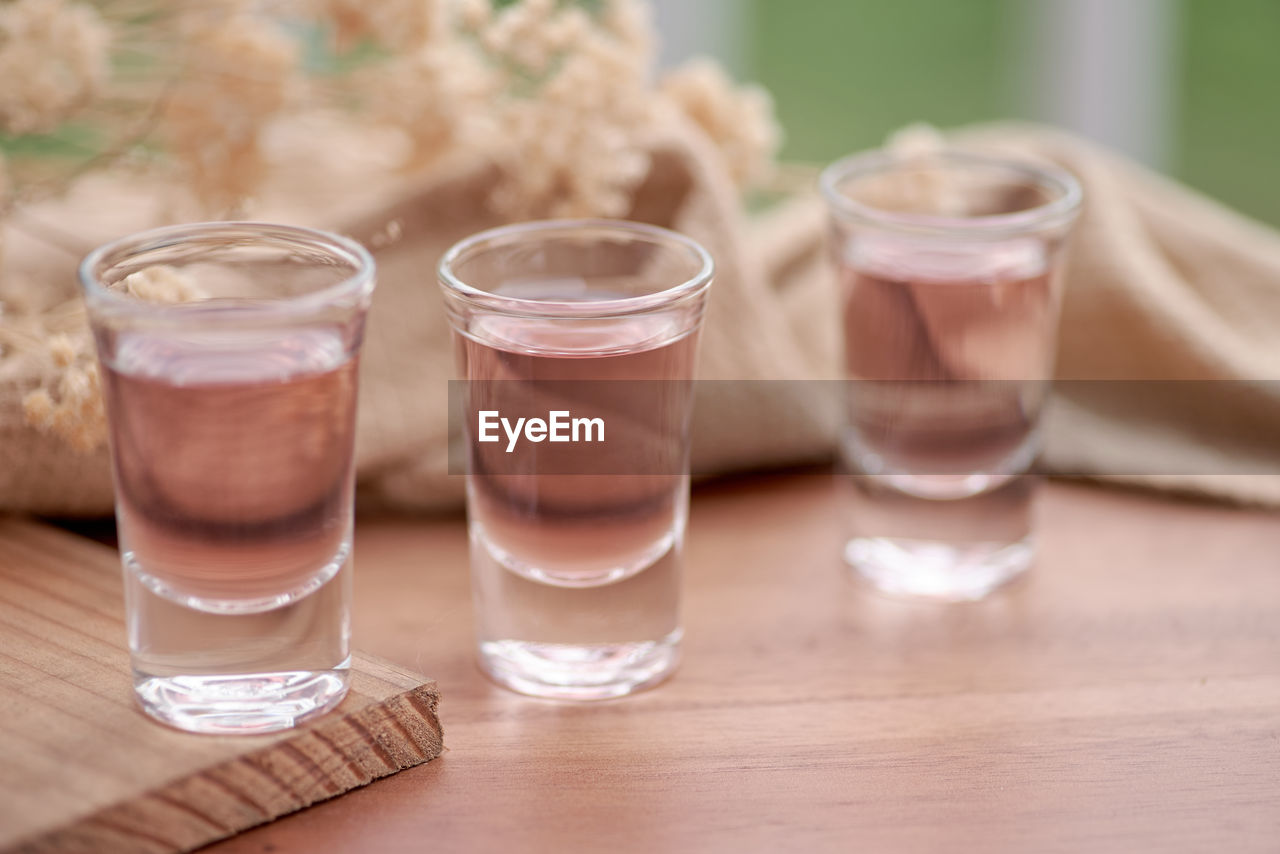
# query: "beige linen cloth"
{"type": "Point", "coordinates": [1161, 284]}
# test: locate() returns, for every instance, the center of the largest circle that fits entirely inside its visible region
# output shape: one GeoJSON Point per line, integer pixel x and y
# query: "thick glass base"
{"type": "Point", "coordinates": [952, 546]}
{"type": "Point", "coordinates": [214, 671]}
{"type": "Point", "coordinates": [240, 704]}
{"type": "Point", "coordinates": [952, 572]}
{"type": "Point", "coordinates": [572, 672]}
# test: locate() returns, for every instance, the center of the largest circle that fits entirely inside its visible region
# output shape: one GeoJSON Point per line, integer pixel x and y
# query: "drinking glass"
{"type": "Point", "coordinates": [948, 267]}
{"type": "Point", "coordinates": [232, 420]}
{"type": "Point", "coordinates": [576, 544]}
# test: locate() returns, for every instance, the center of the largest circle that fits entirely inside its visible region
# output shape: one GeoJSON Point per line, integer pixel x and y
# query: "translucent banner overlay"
{"type": "Point", "coordinates": [1084, 428]}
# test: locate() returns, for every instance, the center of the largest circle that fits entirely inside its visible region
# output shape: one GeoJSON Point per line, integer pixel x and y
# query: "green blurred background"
{"type": "Point", "coordinates": [847, 72]}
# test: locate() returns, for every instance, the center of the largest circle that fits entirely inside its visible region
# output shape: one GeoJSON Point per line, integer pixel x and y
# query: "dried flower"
{"type": "Point", "coordinates": [161, 283]}
{"type": "Point", "coordinates": [63, 350]}
{"type": "Point", "coordinates": [916, 140]}
{"type": "Point", "coordinates": [630, 24]}
{"type": "Point", "coordinates": [474, 14]}
{"type": "Point", "coordinates": [558, 97]}
{"type": "Point", "coordinates": [77, 415]}
{"type": "Point", "coordinates": [69, 405]}
{"type": "Point", "coordinates": [436, 96]}
{"type": "Point", "coordinates": [38, 408]}
{"type": "Point", "coordinates": [240, 69]}
{"type": "Point", "coordinates": [923, 188]}
{"type": "Point", "coordinates": [739, 120]}
{"type": "Point", "coordinates": [53, 60]}
{"type": "Point", "coordinates": [577, 101]}
{"type": "Point", "coordinates": [400, 25]}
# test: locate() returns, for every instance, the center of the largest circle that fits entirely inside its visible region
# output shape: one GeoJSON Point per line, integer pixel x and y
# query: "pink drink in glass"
{"type": "Point", "coordinates": [577, 547]}
{"type": "Point", "coordinates": [569, 526]}
{"type": "Point", "coordinates": [232, 424]}
{"type": "Point", "coordinates": [947, 264]}
{"type": "Point", "coordinates": [233, 463]}
{"type": "Point", "coordinates": [938, 342]}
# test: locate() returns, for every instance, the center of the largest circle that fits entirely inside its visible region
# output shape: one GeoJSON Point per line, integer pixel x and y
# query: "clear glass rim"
{"type": "Point", "coordinates": [510, 235]}
{"type": "Point", "coordinates": [357, 286]}
{"type": "Point", "coordinates": [1060, 210]}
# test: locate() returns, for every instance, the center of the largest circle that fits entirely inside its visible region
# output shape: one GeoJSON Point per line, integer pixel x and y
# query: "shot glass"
{"type": "Point", "coordinates": [576, 545]}
{"type": "Point", "coordinates": [948, 269]}
{"type": "Point", "coordinates": [232, 420]}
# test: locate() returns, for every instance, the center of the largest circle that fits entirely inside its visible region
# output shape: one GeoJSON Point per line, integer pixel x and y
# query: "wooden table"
{"type": "Point", "coordinates": [1123, 697]}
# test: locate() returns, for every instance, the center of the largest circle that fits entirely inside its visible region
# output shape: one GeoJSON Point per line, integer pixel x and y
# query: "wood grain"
{"type": "Point", "coordinates": [82, 770]}
{"type": "Point", "coordinates": [1123, 697]}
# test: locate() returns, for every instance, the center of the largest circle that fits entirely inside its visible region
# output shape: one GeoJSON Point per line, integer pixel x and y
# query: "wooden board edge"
{"type": "Point", "coordinates": [333, 756]}
{"type": "Point", "coordinates": [369, 670]}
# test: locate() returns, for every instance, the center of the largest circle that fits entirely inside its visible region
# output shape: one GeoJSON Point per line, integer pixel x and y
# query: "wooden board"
{"type": "Point", "coordinates": [83, 770]}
